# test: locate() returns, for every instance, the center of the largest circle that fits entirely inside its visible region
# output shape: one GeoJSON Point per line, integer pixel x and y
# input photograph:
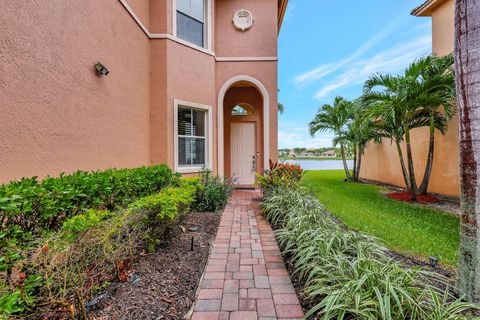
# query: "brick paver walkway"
{"type": "Point", "coordinates": [245, 277]}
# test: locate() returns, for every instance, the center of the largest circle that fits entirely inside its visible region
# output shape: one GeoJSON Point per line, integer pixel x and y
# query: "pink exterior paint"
{"type": "Point", "coordinates": [58, 115]}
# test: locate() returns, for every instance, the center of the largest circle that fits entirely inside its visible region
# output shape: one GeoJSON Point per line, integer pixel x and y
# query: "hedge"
{"type": "Point", "coordinates": [34, 206]}
{"type": "Point", "coordinates": [92, 249]}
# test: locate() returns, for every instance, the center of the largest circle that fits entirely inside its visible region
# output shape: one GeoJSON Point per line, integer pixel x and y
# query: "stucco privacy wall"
{"type": "Point", "coordinates": [381, 162]}
{"type": "Point", "coordinates": [57, 114]}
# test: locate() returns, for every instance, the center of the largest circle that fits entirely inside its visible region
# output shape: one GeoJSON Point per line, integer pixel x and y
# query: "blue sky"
{"type": "Point", "coordinates": [330, 47]}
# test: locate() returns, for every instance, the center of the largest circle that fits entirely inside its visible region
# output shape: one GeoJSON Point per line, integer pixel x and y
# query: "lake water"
{"type": "Point", "coordinates": [320, 164]}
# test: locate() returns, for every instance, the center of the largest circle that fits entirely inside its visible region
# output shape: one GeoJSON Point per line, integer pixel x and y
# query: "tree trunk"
{"type": "Point", "coordinates": [431, 151]}
{"type": "Point", "coordinates": [355, 162]}
{"type": "Point", "coordinates": [411, 168]}
{"type": "Point", "coordinates": [467, 65]}
{"type": "Point", "coordinates": [404, 168]}
{"type": "Point", "coordinates": [359, 163]}
{"type": "Point", "coordinates": [344, 159]}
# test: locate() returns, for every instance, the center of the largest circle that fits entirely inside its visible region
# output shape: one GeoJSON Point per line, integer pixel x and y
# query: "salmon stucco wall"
{"type": "Point", "coordinates": [57, 113]}
{"type": "Point", "coordinates": [381, 162]}
{"type": "Point", "coordinates": [178, 73]}
{"type": "Point", "coordinates": [259, 41]}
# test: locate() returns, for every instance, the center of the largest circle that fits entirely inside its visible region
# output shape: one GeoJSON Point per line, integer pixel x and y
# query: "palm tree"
{"type": "Point", "coordinates": [359, 132]}
{"type": "Point", "coordinates": [333, 118]}
{"type": "Point", "coordinates": [467, 65]}
{"type": "Point", "coordinates": [397, 103]}
{"type": "Point", "coordinates": [436, 90]}
{"type": "Point", "coordinates": [393, 103]}
{"type": "Point", "coordinates": [281, 107]}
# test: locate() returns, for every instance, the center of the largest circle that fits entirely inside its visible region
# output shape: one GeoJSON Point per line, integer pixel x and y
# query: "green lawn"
{"type": "Point", "coordinates": [403, 227]}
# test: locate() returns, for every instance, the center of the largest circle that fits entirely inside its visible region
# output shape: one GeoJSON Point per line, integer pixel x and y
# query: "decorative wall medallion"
{"type": "Point", "coordinates": [243, 19]}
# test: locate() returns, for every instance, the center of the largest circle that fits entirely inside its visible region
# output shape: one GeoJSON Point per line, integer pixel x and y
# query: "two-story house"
{"type": "Point", "coordinates": [190, 83]}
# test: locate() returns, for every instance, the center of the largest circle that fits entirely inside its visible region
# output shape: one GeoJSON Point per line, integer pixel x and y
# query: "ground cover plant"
{"type": "Point", "coordinates": [403, 227]}
{"type": "Point", "coordinates": [348, 275]}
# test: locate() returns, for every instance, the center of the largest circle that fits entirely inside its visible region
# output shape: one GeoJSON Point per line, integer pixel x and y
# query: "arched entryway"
{"type": "Point", "coordinates": [243, 129]}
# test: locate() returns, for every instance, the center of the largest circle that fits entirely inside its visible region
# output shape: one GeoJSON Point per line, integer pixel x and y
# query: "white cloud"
{"type": "Point", "coordinates": [326, 69]}
{"type": "Point", "coordinates": [391, 61]}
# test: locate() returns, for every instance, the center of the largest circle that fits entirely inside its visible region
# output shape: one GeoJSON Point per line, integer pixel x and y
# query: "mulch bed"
{"type": "Point", "coordinates": [163, 284]}
{"type": "Point", "coordinates": [407, 197]}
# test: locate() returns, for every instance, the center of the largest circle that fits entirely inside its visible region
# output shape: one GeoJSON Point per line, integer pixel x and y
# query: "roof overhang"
{"type": "Point", "coordinates": [282, 8]}
{"type": "Point", "coordinates": [426, 8]}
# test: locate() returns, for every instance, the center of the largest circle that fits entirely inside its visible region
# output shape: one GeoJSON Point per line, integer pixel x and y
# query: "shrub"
{"type": "Point", "coordinates": [35, 205]}
{"type": "Point", "coordinates": [94, 248]}
{"type": "Point", "coordinates": [280, 175]}
{"type": "Point", "coordinates": [29, 208]}
{"type": "Point", "coordinates": [214, 194]}
{"type": "Point", "coordinates": [348, 275]}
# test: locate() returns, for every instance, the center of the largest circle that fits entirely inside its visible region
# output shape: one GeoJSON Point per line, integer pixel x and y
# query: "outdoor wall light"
{"type": "Point", "coordinates": [433, 262]}
{"type": "Point", "coordinates": [101, 69]}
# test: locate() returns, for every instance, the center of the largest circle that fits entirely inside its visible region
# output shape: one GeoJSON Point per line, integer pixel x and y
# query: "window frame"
{"type": "Point", "coordinates": [208, 136]}
{"type": "Point", "coordinates": [207, 29]}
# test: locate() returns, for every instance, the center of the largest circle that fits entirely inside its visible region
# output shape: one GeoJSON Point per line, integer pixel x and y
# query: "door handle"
{"type": "Point", "coordinates": [254, 163]}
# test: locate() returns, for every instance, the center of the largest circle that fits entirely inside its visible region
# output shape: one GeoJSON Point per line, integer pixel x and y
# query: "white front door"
{"type": "Point", "coordinates": [243, 152]}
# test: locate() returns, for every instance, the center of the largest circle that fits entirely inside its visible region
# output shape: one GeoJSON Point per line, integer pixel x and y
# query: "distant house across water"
{"type": "Point", "coordinates": [329, 153]}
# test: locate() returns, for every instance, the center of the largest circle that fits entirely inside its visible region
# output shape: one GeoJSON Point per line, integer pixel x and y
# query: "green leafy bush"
{"type": "Point", "coordinates": [35, 206]}
{"type": "Point", "coordinates": [214, 194]}
{"type": "Point", "coordinates": [94, 248]}
{"type": "Point", "coordinates": [348, 275]}
{"type": "Point", "coordinates": [29, 206]}
{"type": "Point", "coordinates": [280, 175]}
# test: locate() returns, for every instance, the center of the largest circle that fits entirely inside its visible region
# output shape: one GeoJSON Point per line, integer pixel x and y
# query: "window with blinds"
{"type": "Point", "coordinates": [191, 137]}
{"type": "Point", "coordinates": [191, 21]}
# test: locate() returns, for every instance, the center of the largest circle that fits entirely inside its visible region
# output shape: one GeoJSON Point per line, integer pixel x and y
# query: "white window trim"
{"type": "Point", "coordinates": [208, 135]}
{"type": "Point", "coordinates": [207, 32]}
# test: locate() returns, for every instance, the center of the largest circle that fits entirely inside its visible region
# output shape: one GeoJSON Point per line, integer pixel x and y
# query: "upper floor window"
{"type": "Point", "coordinates": [191, 21]}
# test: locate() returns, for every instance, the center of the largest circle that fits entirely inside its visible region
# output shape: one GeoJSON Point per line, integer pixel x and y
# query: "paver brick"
{"type": "Point", "coordinates": [265, 308]}
{"type": "Point", "coordinates": [205, 316]}
{"type": "Point", "coordinates": [247, 305]}
{"type": "Point", "coordinates": [230, 302]}
{"type": "Point", "coordinates": [243, 315]}
{"type": "Point", "coordinates": [207, 305]}
{"type": "Point", "coordinates": [245, 277]}
{"type": "Point", "coordinates": [289, 311]}
{"type": "Point", "coordinates": [261, 282]}
{"type": "Point", "coordinates": [285, 298]}
{"type": "Point", "coordinates": [230, 286]}
{"type": "Point", "coordinates": [210, 294]}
